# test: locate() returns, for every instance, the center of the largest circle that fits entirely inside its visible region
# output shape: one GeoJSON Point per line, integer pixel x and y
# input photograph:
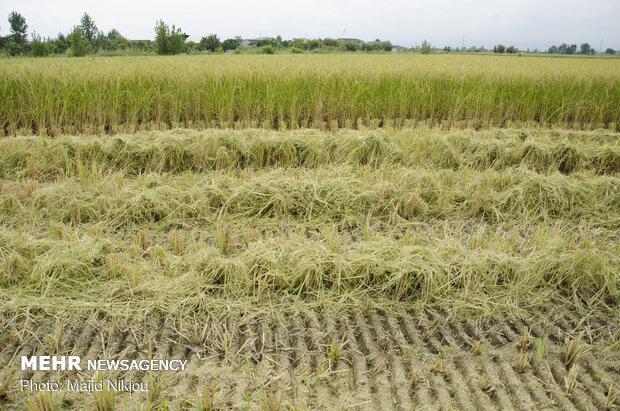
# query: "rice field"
{"type": "Point", "coordinates": [125, 94]}
{"type": "Point", "coordinates": [314, 232]}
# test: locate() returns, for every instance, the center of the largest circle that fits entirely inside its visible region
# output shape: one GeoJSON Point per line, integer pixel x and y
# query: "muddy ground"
{"type": "Point", "coordinates": [366, 358]}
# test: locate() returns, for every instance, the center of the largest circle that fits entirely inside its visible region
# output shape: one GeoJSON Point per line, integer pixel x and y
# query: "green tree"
{"type": "Point", "coordinates": [177, 40]}
{"type": "Point", "coordinates": [425, 48]}
{"type": "Point", "coordinates": [348, 46]}
{"type": "Point", "coordinates": [120, 43]}
{"type": "Point", "coordinates": [377, 45]}
{"type": "Point", "coordinates": [553, 50]}
{"type": "Point", "coordinates": [299, 43]}
{"type": "Point", "coordinates": [585, 48]}
{"type": "Point", "coordinates": [162, 31]}
{"type": "Point", "coordinates": [387, 46]}
{"type": "Point", "coordinates": [14, 48]}
{"type": "Point", "coordinates": [268, 49]}
{"type": "Point", "coordinates": [313, 44]}
{"type": "Point", "coordinates": [209, 43]}
{"type": "Point", "coordinates": [60, 43]}
{"type": "Point", "coordinates": [572, 49]}
{"type": "Point", "coordinates": [78, 47]}
{"type": "Point", "coordinates": [168, 41]}
{"type": "Point", "coordinates": [330, 42]}
{"type": "Point", "coordinates": [101, 41]}
{"type": "Point", "coordinates": [610, 51]}
{"type": "Point", "coordinates": [500, 48]}
{"type": "Point", "coordinates": [229, 44]}
{"type": "Point", "coordinates": [113, 34]}
{"type": "Point", "coordinates": [38, 48]}
{"type": "Point", "coordinates": [89, 29]}
{"type": "Point", "coordinates": [269, 41]}
{"type": "Point", "coordinates": [511, 50]}
{"type": "Point", "coordinates": [18, 28]}
{"type": "Point", "coordinates": [15, 43]}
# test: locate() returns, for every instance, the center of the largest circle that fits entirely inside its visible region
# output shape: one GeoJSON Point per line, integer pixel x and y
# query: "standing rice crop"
{"type": "Point", "coordinates": [111, 95]}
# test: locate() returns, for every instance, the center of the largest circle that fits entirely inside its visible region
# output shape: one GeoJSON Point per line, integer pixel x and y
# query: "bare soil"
{"type": "Point", "coordinates": [365, 358]}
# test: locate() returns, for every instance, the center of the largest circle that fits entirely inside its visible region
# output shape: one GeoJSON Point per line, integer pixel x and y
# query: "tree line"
{"type": "Point", "coordinates": [83, 39]}
{"type": "Point", "coordinates": [585, 48]}
{"type": "Point", "coordinates": [86, 38]}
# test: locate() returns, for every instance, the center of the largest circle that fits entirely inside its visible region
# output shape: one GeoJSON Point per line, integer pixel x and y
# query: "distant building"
{"type": "Point", "coordinates": [348, 40]}
{"type": "Point", "coordinates": [251, 42]}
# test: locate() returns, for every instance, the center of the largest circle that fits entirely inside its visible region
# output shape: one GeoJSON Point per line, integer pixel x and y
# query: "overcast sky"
{"type": "Point", "coordinates": [524, 23]}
